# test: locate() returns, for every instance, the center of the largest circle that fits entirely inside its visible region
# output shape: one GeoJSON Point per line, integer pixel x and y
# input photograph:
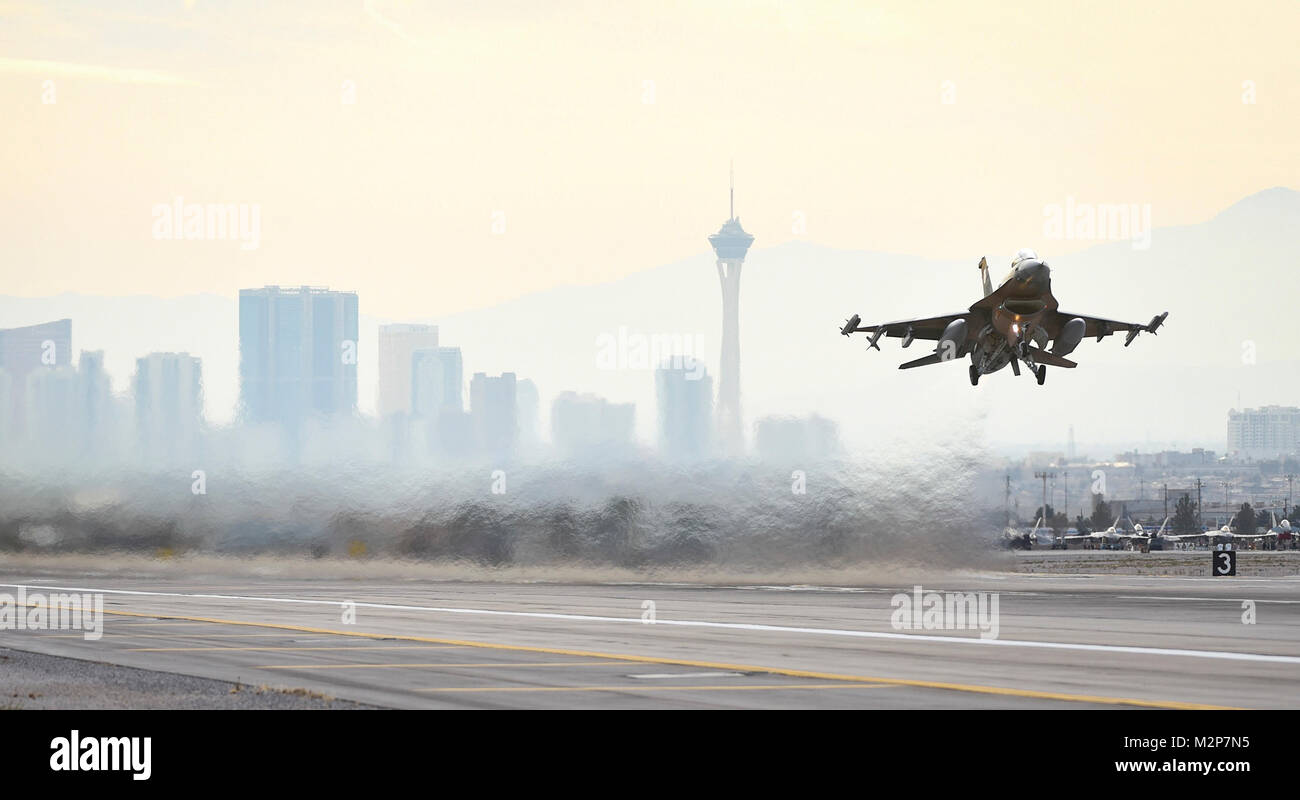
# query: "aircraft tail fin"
{"type": "Point", "coordinates": [1044, 357]}
{"type": "Point", "coordinates": [984, 276]}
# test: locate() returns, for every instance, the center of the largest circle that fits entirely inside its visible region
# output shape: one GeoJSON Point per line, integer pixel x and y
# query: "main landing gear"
{"type": "Point", "coordinates": [975, 375]}
{"type": "Point", "coordinates": [1041, 374]}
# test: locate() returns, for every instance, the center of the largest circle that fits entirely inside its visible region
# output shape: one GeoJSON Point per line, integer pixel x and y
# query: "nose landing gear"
{"type": "Point", "coordinates": [1041, 374]}
{"type": "Point", "coordinates": [975, 375]}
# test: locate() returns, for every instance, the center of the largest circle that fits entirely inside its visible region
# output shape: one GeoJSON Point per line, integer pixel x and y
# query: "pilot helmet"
{"type": "Point", "coordinates": [1024, 255]}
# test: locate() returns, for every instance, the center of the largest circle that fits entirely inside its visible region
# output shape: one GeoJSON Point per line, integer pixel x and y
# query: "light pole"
{"type": "Point", "coordinates": [1008, 500]}
{"type": "Point", "coordinates": [1200, 518]}
{"type": "Point", "coordinates": [1065, 490]}
{"type": "Point", "coordinates": [1045, 476]}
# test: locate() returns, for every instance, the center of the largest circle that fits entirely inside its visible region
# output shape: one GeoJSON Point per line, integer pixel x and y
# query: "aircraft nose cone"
{"type": "Point", "coordinates": [1032, 274]}
{"type": "Point", "coordinates": [1030, 270]}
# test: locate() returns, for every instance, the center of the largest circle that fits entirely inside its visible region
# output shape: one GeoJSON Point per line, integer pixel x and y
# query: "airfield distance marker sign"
{"type": "Point", "coordinates": [1223, 563]}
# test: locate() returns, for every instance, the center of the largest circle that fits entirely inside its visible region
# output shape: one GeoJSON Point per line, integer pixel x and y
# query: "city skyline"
{"type": "Point", "coordinates": [686, 419]}
{"type": "Point", "coordinates": [1232, 356]}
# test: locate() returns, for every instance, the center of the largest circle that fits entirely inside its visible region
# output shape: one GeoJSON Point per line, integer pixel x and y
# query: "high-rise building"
{"type": "Point", "coordinates": [168, 391]}
{"type": "Point", "coordinates": [26, 350]}
{"type": "Point", "coordinates": [730, 244]}
{"type": "Point", "coordinates": [397, 343]}
{"type": "Point", "coordinates": [297, 353]}
{"type": "Point", "coordinates": [1266, 432]}
{"type": "Point", "coordinates": [494, 411]}
{"type": "Point", "coordinates": [437, 401]}
{"type": "Point", "coordinates": [685, 399]}
{"type": "Point", "coordinates": [95, 413]}
{"type": "Point", "coordinates": [584, 424]}
{"type": "Point", "coordinates": [437, 376]}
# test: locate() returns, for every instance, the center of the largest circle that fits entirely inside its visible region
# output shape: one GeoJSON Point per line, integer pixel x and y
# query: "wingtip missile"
{"type": "Point", "coordinates": [1150, 327]}
{"type": "Point", "coordinates": [850, 325]}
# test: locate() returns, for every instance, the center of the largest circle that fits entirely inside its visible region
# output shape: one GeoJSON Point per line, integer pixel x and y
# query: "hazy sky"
{"type": "Point", "coordinates": [601, 133]}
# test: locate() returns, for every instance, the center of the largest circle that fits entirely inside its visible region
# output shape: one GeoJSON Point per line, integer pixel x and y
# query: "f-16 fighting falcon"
{"type": "Point", "coordinates": [1011, 325]}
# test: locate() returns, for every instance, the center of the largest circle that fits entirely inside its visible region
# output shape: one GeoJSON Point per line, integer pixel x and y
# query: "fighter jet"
{"type": "Point", "coordinates": [1108, 537]}
{"type": "Point", "coordinates": [1228, 534]}
{"type": "Point", "coordinates": [1012, 324]}
{"type": "Point", "coordinates": [1280, 527]}
{"type": "Point", "coordinates": [1156, 541]}
{"type": "Point", "coordinates": [1019, 540]}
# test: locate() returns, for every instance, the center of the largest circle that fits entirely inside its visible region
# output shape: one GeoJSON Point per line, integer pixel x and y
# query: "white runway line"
{"type": "Point", "coordinates": [1200, 599]}
{"type": "Point", "coordinates": [668, 675]}
{"type": "Point", "coordinates": [1199, 579]}
{"type": "Point", "coordinates": [744, 626]}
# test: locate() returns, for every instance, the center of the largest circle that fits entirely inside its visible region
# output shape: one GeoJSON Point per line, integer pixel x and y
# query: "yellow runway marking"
{"type": "Point", "coordinates": [178, 635]}
{"type": "Point", "coordinates": [357, 647]}
{"type": "Point", "coordinates": [134, 625]}
{"type": "Point", "coordinates": [639, 688]}
{"type": "Point", "coordinates": [793, 673]}
{"type": "Point", "coordinates": [445, 666]}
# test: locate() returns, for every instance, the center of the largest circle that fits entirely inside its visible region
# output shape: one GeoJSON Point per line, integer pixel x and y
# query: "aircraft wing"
{"type": "Point", "coordinates": [1099, 328]}
{"type": "Point", "coordinates": [927, 328]}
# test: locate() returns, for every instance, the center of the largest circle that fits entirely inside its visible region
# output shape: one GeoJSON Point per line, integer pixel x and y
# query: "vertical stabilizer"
{"type": "Point", "coordinates": [984, 274]}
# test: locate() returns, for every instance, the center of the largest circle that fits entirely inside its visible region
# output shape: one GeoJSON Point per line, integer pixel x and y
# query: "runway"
{"type": "Point", "coordinates": [1063, 641]}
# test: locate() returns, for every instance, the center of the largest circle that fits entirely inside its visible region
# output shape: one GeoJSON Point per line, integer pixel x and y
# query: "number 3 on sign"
{"type": "Point", "coordinates": [1225, 563]}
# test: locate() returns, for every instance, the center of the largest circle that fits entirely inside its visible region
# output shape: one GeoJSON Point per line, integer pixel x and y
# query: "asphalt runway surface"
{"type": "Point", "coordinates": [1063, 641]}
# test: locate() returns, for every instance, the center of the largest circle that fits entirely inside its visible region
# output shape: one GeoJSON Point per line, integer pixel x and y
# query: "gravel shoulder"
{"type": "Point", "coordinates": [37, 681]}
